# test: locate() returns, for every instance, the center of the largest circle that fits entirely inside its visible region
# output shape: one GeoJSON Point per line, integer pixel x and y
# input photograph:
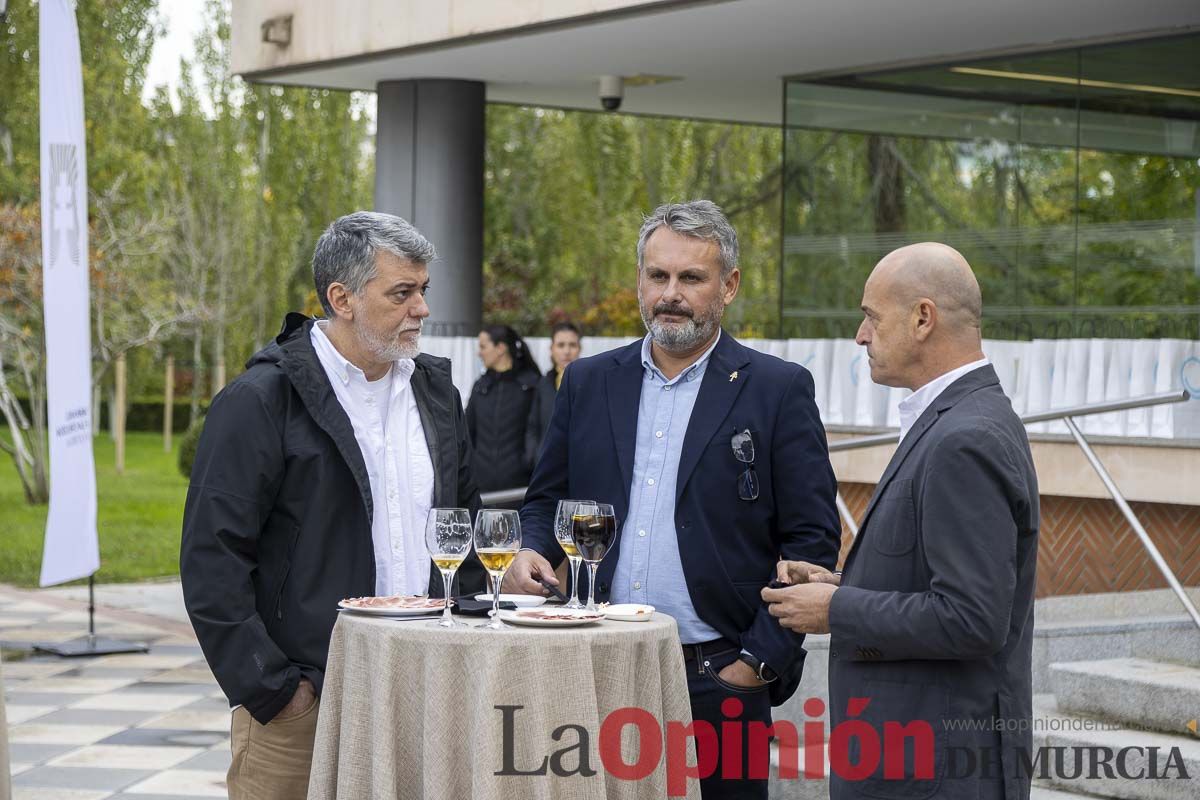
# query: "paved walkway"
{"type": "Point", "coordinates": [139, 726]}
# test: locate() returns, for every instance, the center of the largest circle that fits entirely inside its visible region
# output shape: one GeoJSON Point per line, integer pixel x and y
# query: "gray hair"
{"type": "Point", "coordinates": [345, 253]}
{"type": "Point", "coordinates": [700, 219]}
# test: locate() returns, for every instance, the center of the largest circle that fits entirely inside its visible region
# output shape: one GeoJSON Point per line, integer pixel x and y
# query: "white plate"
{"type": "Point", "coordinates": [518, 600]}
{"type": "Point", "coordinates": [391, 612]}
{"type": "Point", "coordinates": [574, 617]}
{"type": "Point", "coordinates": [628, 612]}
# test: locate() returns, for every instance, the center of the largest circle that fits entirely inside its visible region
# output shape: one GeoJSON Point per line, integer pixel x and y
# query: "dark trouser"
{"type": "Point", "coordinates": [731, 780]}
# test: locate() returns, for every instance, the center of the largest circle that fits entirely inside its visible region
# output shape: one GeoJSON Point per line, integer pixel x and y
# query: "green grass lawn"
{"type": "Point", "coordinates": [139, 515]}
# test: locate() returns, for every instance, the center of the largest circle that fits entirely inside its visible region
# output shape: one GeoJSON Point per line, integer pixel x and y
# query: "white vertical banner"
{"type": "Point", "coordinates": [71, 549]}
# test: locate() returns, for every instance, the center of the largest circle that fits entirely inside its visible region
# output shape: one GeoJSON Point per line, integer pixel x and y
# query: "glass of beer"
{"type": "Point", "coordinates": [593, 529]}
{"type": "Point", "coordinates": [562, 531]}
{"type": "Point", "coordinates": [448, 539]}
{"type": "Point", "coordinates": [497, 541]}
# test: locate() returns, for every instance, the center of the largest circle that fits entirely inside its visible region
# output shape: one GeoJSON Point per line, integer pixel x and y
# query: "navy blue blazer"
{"type": "Point", "coordinates": [728, 546]}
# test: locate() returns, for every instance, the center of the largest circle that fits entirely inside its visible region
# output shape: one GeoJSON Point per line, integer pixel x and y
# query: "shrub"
{"type": "Point", "coordinates": [187, 446]}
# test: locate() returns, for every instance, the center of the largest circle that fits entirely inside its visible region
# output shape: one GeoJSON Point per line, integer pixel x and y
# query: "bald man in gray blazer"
{"type": "Point", "coordinates": [931, 620]}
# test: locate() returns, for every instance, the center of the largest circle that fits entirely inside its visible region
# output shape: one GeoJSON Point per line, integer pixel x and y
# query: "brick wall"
{"type": "Point", "coordinates": [1086, 546]}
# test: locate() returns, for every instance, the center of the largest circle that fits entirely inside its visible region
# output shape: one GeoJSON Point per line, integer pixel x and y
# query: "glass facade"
{"type": "Point", "coordinates": [1070, 180]}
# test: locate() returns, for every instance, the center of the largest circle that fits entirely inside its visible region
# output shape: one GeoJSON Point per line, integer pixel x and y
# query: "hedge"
{"type": "Point", "coordinates": [145, 414]}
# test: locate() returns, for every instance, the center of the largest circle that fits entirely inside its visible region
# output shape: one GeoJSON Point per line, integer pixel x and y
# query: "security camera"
{"type": "Point", "coordinates": [612, 90]}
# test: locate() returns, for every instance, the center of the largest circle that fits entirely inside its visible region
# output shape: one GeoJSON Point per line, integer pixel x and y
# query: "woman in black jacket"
{"type": "Point", "coordinates": [498, 410]}
{"type": "Point", "coordinates": [564, 348]}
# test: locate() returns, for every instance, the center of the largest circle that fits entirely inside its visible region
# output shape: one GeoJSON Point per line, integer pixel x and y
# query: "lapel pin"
{"type": "Point", "coordinates": [733, 376]}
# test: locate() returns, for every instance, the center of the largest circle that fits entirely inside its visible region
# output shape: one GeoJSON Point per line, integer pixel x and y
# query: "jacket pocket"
{"type": "Point", "coordinates": [711, 672]}
{"type": "Point", "coordinates": [894, 521]}
{"type": "Point", "coordinates": [287, 568]}
{"type": "Point", "coordinates": [909, 721]}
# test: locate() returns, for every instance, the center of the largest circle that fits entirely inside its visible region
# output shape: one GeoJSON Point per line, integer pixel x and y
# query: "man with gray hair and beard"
{"type": "Point", "coordinates": [714, 459]}
{"type": "Point", "coordinates": [312, 481]}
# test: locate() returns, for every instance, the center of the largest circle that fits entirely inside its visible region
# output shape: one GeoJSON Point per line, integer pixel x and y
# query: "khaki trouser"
{"type": "Point", "coordinates": [272, 761]}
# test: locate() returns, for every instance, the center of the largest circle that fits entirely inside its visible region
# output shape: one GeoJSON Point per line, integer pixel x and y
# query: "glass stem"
{"type": "Point", "coordinates": [447, 579]}
{"type": "Point", "coordinates": [495, 615]}
{"type": "Point", "coordinates": [575, 562]}
{"type": "Point", "coordinates": [592, 567]}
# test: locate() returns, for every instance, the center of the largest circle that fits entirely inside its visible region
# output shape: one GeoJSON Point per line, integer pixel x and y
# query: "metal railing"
{"type": "Point", "coordinates": [509, 497]}
{"type": "Point", "coordinates": [1067, 415]}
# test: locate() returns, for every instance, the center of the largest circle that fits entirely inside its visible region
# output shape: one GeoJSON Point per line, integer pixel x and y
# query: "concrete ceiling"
{"type": "Point", "coordinates": [732, 54]}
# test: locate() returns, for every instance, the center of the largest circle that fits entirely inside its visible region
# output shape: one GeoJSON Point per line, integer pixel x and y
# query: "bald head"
{"type": "Point", "coordinates": [937, 272]}
{"type": "Point", "coordinates": [921, 315]}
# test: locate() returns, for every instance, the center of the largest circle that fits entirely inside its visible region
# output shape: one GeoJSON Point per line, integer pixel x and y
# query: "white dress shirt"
{"type": "Point", "coordinates": [913, 406]}
{"type": "Point", "coordinates": [388, 429]}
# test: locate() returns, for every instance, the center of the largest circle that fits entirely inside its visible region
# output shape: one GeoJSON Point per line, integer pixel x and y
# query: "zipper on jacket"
{"type": "Point", "coordinates": [287, 568]}
{"type": "Point", "coordinates": [279, 594]}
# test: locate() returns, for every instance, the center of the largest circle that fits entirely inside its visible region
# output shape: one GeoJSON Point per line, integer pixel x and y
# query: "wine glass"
{"type": "Point", "coordinates": [562, 532]}
{"type": "Point", "coordinates": [448, 539]}
{"type": "Point", "coordinates": [497, 541]}
{"type": "Point", "coordinates": [593, 528]}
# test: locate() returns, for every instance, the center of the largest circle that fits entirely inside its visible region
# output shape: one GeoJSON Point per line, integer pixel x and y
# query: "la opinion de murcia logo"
{"type": "Point", "coordinates": [64, 204]}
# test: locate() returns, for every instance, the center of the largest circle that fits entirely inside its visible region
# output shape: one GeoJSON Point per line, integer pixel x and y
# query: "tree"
{"type": "Point", "coordinates": [116, 40]}
{"type": "Point", "coordinates": [132, 303]}
{"type": "Point", "coordinates": [564, 197]}
{"type": "Point", "coordinates": [22, 351]}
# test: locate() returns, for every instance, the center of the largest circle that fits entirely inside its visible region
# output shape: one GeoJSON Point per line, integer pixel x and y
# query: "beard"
{"type": "Point", "coordinates": [384, 347]}
{"type": "Point", "coordinates": [680, 337]}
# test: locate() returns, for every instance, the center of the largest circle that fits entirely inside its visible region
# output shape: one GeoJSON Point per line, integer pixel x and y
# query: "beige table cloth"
{"type": "Point", "coordinates": [409, 710]}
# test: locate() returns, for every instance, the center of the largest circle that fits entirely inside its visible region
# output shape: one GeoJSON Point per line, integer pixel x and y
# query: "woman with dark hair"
{"type": "Point", "coordinates": [498, 410]}
{"type": "Point", "coordinates": [564, 348]}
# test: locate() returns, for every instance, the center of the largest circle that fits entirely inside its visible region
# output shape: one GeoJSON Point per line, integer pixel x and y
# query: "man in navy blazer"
{"type": "Point", "coordinates": [714, 458]}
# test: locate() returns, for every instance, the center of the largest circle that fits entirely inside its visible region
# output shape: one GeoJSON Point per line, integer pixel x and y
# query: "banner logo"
{"type": "Point", "coordinates": [64, 203]}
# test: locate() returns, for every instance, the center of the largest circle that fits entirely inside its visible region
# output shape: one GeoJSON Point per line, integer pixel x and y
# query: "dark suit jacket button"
{"type": "Point", "coordinates": [602, 587]}
{"type": "Point", "coordinates": [833, 653]}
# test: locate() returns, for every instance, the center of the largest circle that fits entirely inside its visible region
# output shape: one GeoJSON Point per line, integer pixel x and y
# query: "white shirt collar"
{"type": "Point", "coordinates": [693, 370]}
{"type": "Point", "coordinates": [913, 406]}
{"type": "Point", "coordinates": [402, 369]}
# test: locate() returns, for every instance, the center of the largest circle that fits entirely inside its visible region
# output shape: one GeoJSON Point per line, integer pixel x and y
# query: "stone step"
{"type": "Point", "coordinates": [1039, 792]}
{"type": "Point", "coordinates": [1089, 740]}
{"type": "Point", "coordinates": [1169, 643]}
{"type": "Point", "coordinates": [1144, 694]}
{"type": "Point", "coordinates": [801, 789]}
{"type": "Point", "coordinates": [819, 790]}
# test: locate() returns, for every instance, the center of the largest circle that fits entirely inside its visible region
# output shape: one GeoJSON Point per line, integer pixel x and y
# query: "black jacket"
{"type": "Point", "coordinates": [277, 525]}
{"type": "Point", "coordinates": [496, 417]}
{"type": "Point", "coordinates": [538, 423]}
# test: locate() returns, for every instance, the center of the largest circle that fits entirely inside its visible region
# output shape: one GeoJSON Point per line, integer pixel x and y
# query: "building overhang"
{"type": "Point", "coordinates": [724, 59]}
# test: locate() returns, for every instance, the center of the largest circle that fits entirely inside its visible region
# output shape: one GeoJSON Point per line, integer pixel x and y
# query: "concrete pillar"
{"type": "Point", "coordinates": [429, 170]}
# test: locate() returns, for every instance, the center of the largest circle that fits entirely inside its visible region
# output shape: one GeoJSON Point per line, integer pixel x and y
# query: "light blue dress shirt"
{"type": "Point", "coordinates": [648, 568]}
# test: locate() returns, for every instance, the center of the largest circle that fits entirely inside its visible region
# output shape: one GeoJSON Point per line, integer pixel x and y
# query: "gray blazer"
{"type": "Point", "coordinates": [934, 617]}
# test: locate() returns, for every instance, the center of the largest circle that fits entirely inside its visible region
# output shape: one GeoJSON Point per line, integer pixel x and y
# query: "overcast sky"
{"type": "Point", "coordinates": [183, 19]}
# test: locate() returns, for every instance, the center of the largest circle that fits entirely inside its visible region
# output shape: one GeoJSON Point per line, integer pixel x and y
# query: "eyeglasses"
{"type": "Point", "coordinates": [743, 450]}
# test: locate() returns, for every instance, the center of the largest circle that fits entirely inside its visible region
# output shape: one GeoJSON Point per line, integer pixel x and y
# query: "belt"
{"type": "Point", "coordinates": [696, 653]}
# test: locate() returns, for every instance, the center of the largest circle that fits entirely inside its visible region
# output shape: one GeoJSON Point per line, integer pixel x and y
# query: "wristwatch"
{"type": "Point", "coordinates": [761, 670]}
